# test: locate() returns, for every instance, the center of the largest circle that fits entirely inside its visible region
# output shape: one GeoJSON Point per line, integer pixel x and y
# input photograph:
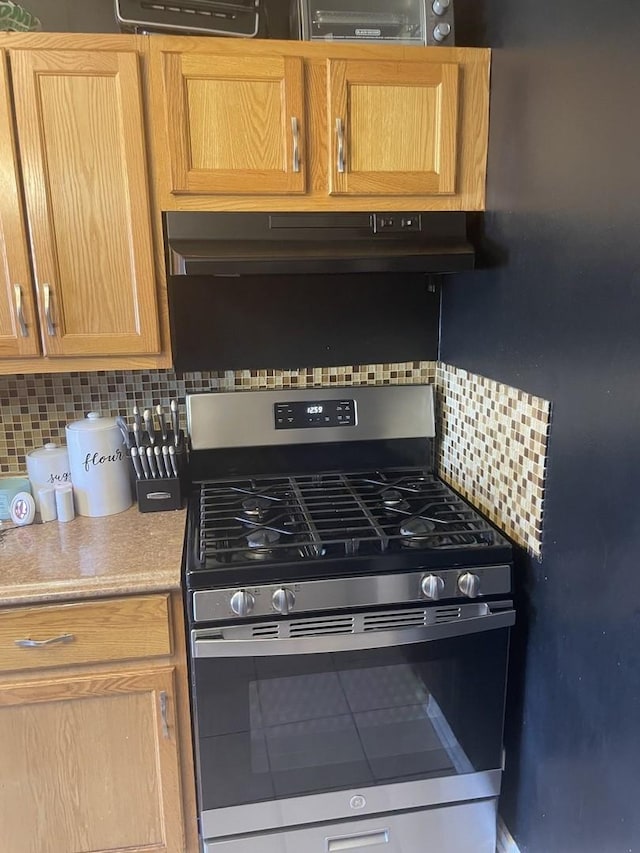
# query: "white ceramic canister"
{"type": "Point", "coordinates": [99, 466]}
{"type": "Point", "coordinates": [48, 467]}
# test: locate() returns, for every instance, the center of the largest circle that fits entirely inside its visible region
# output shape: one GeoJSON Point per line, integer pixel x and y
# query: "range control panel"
{"type": "Point", "coordinates": [305, 414]}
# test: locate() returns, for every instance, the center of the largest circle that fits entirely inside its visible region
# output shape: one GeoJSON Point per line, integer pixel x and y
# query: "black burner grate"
{"type": "Point", "coordinates": [332, 515]}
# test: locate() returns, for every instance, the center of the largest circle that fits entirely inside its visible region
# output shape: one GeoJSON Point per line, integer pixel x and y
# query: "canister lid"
{"type": "Point", "coordinates": [92, 423]}
{"type": "Point", "coordinates": [49, 451]}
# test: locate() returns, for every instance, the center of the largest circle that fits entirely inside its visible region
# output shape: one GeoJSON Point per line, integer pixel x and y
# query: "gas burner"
{"type": "Point", "coordinates": [260, 542]}
{"type": "Point", "coordinates": [414, 532]}
{"type": "Point", "coordinates": [255, 554]}
{"type": "Point", "coordinates": [255, 507]}
{"type": "Point", "coordinates": [394, 501]}
{"type": "Point", "coordinates": [417, 527]}
{"type": "Point", "coordinates": [262, 538]}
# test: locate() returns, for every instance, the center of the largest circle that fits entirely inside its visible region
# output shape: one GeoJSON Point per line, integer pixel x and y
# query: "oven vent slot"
{"type": "Point", "coordinates": [395, 619]}
{"type": "Point", "coordinates": [266, 631]}
{"type": "Point", "coordinates": [321, 626]}
{"type": "Point", "coordinates": [448, 614]}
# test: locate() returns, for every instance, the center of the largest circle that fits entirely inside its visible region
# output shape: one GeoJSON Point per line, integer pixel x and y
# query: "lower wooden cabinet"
{"type": "Point", "coordinates": [95, 759]}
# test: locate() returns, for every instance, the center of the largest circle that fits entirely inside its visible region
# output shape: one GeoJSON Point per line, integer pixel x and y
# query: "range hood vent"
{"type": "Point", "coordinates": [290, 290]}
{"type": "Point", "coordinates": [301, 243]}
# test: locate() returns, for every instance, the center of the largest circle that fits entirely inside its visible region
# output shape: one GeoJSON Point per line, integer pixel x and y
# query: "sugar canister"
{"type": "Point", "coordinates": [99, 466]}
{"type": "Point", "coordinates": [48, 467]}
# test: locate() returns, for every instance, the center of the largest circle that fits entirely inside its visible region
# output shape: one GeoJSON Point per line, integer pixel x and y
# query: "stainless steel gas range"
{"type": "Point", "coordinates": [349, 619]}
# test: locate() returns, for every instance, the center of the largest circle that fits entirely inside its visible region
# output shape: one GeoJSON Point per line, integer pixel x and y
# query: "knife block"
{"type": "Point", "coordinates": [159, 494]}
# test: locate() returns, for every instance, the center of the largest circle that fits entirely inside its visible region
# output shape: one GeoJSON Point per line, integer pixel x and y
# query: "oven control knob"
{"type": "Point", "coordinates": [441, 31]}
{"type": "Point", "coordinates": [441, 6]}
{"type": "Point", "coordinates": [432, 587]}
{"type": "Point", "coordinates": [242, 602]}
{"type": "Point", "coordinates": [469, 584]}
{"type": "Point", "coordinates": [283, 600]}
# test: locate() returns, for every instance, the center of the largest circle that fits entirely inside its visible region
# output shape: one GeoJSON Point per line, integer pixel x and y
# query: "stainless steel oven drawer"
{"type": "Point", "coordinates": [466, 828]}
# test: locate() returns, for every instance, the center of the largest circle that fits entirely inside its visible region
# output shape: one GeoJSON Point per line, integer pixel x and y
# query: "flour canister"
{"type": "Point", "coordinates": [47, 467]}
{"type": "Point", "coordinates": [99, 466]}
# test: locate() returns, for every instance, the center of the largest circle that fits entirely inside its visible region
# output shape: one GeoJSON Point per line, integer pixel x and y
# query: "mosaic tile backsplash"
{"type": "Point", "coordinates": [492, 438]}
{"type": "Point", "coordinates": [35, 409]}
{"type": "Point", "coordinates": [493, 450]}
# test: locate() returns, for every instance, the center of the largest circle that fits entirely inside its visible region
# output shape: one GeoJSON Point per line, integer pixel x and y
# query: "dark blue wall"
{"type": "Point", "coordinates": [558, 314]}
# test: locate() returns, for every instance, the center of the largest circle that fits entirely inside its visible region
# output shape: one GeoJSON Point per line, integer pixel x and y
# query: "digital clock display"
{"type": "Point", "coordinates": [310, 414]}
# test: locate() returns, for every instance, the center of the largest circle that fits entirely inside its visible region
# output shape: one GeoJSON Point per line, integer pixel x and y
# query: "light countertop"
{"type": "Point", "coordinates": [131, 552]}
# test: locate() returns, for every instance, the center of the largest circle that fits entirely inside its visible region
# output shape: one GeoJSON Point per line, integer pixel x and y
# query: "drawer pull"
{"type": "Point", "coordinates": [52, 641]}
{"type": "Point", "coordinates": [354, 842]}
{"type": "Point", "coordinates": [163, 714]}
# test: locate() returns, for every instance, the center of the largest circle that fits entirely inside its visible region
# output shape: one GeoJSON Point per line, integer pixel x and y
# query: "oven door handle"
{"type": "Point", "coordinates": [203, 646]}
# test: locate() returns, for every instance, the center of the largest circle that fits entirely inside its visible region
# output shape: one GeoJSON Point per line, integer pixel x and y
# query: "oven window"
{"type": "Point", "coordinates": [282, 726]}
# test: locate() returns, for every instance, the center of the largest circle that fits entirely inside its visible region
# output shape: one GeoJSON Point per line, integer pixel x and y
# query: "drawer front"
{"type": "Point", "coordinates": [86, 632]}
{"type": "Point", "coordinates": [460, 828]}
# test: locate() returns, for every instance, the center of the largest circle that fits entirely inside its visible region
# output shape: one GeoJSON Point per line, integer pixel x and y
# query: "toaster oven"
{"type": "Point", "coordinates": [417, 22]}
{"type": "Point", "coordinates": [192, 17]}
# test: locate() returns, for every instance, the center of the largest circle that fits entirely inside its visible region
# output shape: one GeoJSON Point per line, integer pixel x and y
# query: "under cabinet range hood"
{"type": "Point", "coordinates": [287, 290]}
{"type": "Point", "coordinates": [279, 243]}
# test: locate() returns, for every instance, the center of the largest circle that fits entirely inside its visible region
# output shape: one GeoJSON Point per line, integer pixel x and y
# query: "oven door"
{"type": "Point", "coordinates": [321, 725]}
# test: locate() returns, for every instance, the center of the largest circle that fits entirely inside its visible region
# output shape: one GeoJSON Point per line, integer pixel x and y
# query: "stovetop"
{"type": "Point", "coordinates": [264, 528]}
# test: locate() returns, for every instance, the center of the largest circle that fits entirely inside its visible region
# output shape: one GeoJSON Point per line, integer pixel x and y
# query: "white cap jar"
{"type": "Point", "coordinates": [99, 466]}
{"type": "Point", "coordinates": [47, 467]}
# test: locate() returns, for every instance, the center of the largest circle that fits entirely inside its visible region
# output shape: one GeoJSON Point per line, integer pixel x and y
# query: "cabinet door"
{"type": "Point", "coordinates": [235, 123]}
{"type": "Point", "coordinates": [81, 144]}
{"type": "Point", "coordinates": [18, 319]}
{"type": "Point", "coordinates": [90, 764]}
{"type": "Point", "coordinates": [392, 127]}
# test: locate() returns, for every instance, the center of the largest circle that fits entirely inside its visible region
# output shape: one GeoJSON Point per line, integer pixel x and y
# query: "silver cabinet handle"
{"type": "Point", "coordinates": [163, 713]}
{"type": "Point", "coordinates": [296, 144]}
{"type": "Point", "coordinates": [51, 329]}
{"type": "Point", "coordinates": [206, 647]}
{"type": "Point", "coordinates": [38, 644]}
{"type": "Point", "coordinates": [340, 135]}
{"type": "Point", "coordinates": [20, 311]}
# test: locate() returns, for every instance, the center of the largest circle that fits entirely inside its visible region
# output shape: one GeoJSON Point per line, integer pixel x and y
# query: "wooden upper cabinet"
{"type": "Point", "coordinates": [18, 319]}
{"type": "Point", "coordinates": [380, 127]}
{"type": "Point", "coordinates": [235, 124]}
{"type": "Point", "coordinates": [81, 144]}
{"type": "Point", "coordinates": [394, 127]}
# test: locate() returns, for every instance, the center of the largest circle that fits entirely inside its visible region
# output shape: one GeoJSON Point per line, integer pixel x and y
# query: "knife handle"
{"type": "Point", "coordinates": [148, 425]}
{"type": "Point", "coordinates": [161, 423]}
{"type": "Point", "coordinates": [136, 462]}
{"type": "Point", "coordinates": [152, 462]}
{"type": "Point", "coordinates": [142, 454]}
{"type": "Point", "coordinates": [165, 461]}
{"type": "Point", "coordinates": [173, 460]}
{"type": "Point", "coordinates": [157, 452]}
{"type": "Point", "coordinates": [175, 421]}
